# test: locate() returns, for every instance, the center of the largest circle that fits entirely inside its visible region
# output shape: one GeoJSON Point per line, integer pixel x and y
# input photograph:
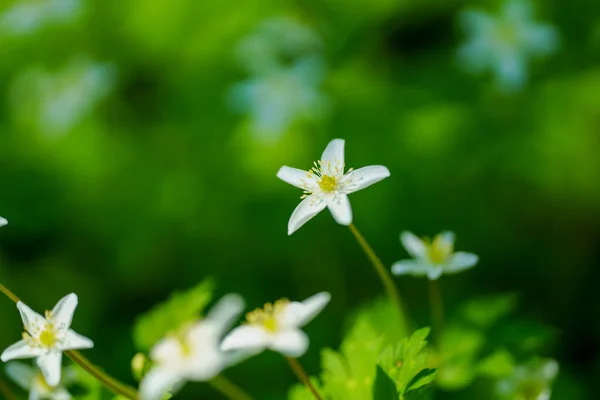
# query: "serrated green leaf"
{"type": "Point", "coordinates": [384, 387]}
{"type": "Point", "coordinates": [423, 378]}
{"type": "Point", "coordinates": [179, 309]}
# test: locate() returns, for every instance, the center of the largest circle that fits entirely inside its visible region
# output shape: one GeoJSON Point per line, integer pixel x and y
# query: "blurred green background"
{"type": "Point", "coordinates": [132, 165]}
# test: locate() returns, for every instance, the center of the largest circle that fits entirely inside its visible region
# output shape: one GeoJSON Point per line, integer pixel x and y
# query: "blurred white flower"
{"type": "Point", "coordinates": [194, 354]}
{"type": "Point", "coordinates": [60, 100]}
{"type": "Point", "coordinates": [277, 327]}
{"type": "Point", "coordinates": [529, 382]}
{"type": "Point", "coordinates": [45, 338]}
{"type": "Point", "coordinates": [432, 258]}
{"type": "Point", "coordinates": [3, 221]}
{"type": "Point", "coordinates": [274, 102]}
{"type": "Point", "coordinates": [31, 380]}
{"type": "Point", "coordinates": [27, 16]}
{"type": "Point", "coordinates": [505, 43]}
{"type": "Point", "coordinates": [326, 185]}
{"type": "Point", "coordinates": [286, 66]}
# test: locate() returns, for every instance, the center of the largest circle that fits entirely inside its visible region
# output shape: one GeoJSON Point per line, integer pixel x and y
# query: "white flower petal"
{"type": "Point", "coordinates": [51, 367]}
{"type": "Point", "coordinates": [306, 210]}
{"type": "Point", "coordinates": [22, 374]}
{"type": "Point", "coordinates": [413, 245]}
{"type": "Point", "coordinates": [32, 321]}
{"type": "Point", "coordinates": [157, 382]}
{"type": "Point", "coordinates": [541, 39]}
{"type": "Point", "coordinates": [409, 267]}
{"type": "Point", "coordinates": [226, 311]}
{"type": "Point", "coordinates": [60, 394]}
{"type": "Point", "coordinates": [75, 341]}
{"type": "Point", "coordinates": [341, 210]}
{"type": "Point", "coordinates": [475, 22]}
{"type": "Point", "coordinates": [298, 314]}
{"type": "Point", "coordinates": [63, 312]}
{"type": "Point", "coordinates": [21, 350]}
{"type": "Point", "coordinates": [334, 152]}
{"type": "Point", "coordinates": [3, 221]}
{"type": "Point", "coordinates": [246, 337]}
{"type": "Point", "coordinates": [35, 395]}
{"type": "Point", "coordinates": [365, 177]}
{"type": "Point", "coordinates": [461, 261]}
{"type": "Point", "coordinates": [511, 71]}
{"type": "Point", "coordinates": [295, 177]}
{"type": "Point", "coordinates": [550, 369]}
{"type": "Point", "coordinates": [291, 342]}
{"type": "Point", "coordinates": [434, 272]}
{"type": "Point", "coordinates": [165, 350]}
{"type": "Point", "coordinates": [447, 238]}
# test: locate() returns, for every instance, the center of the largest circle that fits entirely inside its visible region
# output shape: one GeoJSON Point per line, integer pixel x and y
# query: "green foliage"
{"type": "Point", "coordinates": [384, 387]}
{"type": "Point", "coordinates": [179, 309]}
{"type": "Point", "coordinates": [91, 388]}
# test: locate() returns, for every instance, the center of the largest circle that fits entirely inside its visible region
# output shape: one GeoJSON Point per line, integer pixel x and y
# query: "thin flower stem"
{"type": "Point", "coordinates": [437, 307]}
{"type": "Point", "coordinates": [229, 389]}
{"type": "Point", "coordinates": [111, 383]}
{"type": "Point", "coordinates": [303, 377]}
{"type": "Point", "coordinates": [5, 390]}
{"type": "Point", "coordinates": [383, 274]}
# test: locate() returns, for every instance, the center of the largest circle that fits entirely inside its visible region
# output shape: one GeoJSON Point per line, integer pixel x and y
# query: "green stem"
{"type": "Point", "coordinates": [303, 376]}
{"type": "Point", "coordinates": [437, 307]}
{"type": "Point", "coordinates": [229, 389]}
{"type": "Point", "coordinates": [111, 383]}
{"type": "Point", "coordinates": [382, 272]}
{"type": "Point", "coordinates": [5, 390]}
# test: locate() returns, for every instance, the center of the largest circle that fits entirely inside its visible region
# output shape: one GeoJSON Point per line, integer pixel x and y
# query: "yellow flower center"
{"type": "Point", "coordinates": [268, 316]}
{"type": "Point", "coordinates": [328, 183]}
{"type": "Point", "coordinates": [48, 336]}
{"type": "Point", "coordinates": [439, 250]}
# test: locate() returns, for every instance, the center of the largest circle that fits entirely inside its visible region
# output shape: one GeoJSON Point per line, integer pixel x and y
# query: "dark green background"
{"type": "Point", "coordinates": [161, 186]}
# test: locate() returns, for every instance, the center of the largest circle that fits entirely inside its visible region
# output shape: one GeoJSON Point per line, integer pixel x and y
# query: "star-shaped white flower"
{"type": "Point", "coordinates": [277, 327]}
{"type": "Point", "coordinates": [327, 185]}
{"type": "Point", "coordinates": [31, 380]}
{"type": "Point", "coordinates": [3, 221]}
{"type": "Point", "coordinates": [506, 42]}
{"type": "Point", "coordinates": [45, 338]}
{"type": "Point", "coordinates": [432, 258]}
{"type": "Point", "coordinates": [194, 354]}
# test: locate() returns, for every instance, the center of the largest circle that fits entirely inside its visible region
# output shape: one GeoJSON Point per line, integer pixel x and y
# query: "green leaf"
{"type": "Point", "coordinates": [181, 308]}
{"type": "Point", "coordinates": [384, 387]}
{"type": "Point", "coordinates": [486, 311]}
{"type": "Point", "coordinates": [497, 365]}
{"type": "Point", "coordinates": [459, 349]}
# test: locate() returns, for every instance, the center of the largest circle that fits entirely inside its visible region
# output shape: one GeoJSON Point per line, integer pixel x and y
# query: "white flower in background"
{"type": "Point", "coordinates": [32, 380]}
{"type": "Point", "coordinates": [327, 185]}
{"type": "Point", "coordinates": [286, 65]}
{"type": "Point", "coordinates": [3, 221]}
{"type": "Point", "coordinates": [193, 354]}
{"type": "Point", "coordinates": [529, 382]}
{"type": "Point", "coordinates": [27, 16]}
{"type": "Point", "coordinates": [55, 102]}
{"type": "Point", "coordinates": [432, 258]}
{"type": "Point", "coordinates": [274, 102]}
{"type": "Point", "coordinates": [505, 43]}
{"type": "Point", "coordinates": [45, 338]}
{"type": "Point", "coordinates": [277, 327]}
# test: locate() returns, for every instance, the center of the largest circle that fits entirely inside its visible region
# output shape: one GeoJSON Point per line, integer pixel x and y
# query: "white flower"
{"type": "Point", "coordinates": [432, 258]}
{"type": "Point", "coordinates": [3, 221]}
{"type": "Point", "coordinates": [194, 354]}
{"type": "Point", "coordinates": [27, 16]}
{"type": "Point", "coordinates": [529, 382]}
{"type": "Point", "coordinates": [326, 185]}
{"type": "Point", "coordinates": [277, 327]}
{"type": "Point", "coordinates": [47, 337]}
{"type": "Point", "coordinates": [505, 43]}
{"type": "Point", "coordinates": [30, 379]}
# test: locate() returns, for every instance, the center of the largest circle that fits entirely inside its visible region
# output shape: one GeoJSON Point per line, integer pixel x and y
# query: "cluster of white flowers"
{"type": "Point", "coordinates": [286, 67]}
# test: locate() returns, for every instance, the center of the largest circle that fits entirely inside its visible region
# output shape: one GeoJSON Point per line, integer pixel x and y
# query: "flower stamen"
{"type": "Point", "coordinates": [268, 316]}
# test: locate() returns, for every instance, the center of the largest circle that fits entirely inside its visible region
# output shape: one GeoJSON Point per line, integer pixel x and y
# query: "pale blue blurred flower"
{"type": "Point", "coordinates": [529, 382]}
{"type": "Point", "coordinates": [505, 43]}
{"type": "Point", "coordinates": [432, 258]}
{"type": "Point", "coordinates": [286, 66]}
{"type": "Point", "coordinates": [27, 16]}
{"type": "Point", "coordinates": [275, 101]}
{"type": "Point", "coordinates": [58, 101]}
